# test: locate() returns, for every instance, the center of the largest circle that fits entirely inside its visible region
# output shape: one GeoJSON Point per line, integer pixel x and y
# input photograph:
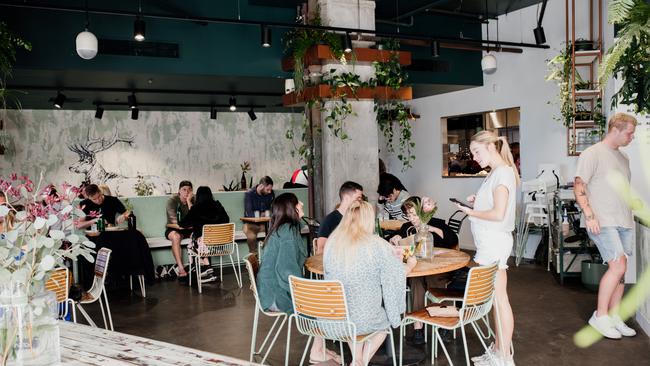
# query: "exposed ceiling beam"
{"type": "Point", "coordinates": [142, 91]}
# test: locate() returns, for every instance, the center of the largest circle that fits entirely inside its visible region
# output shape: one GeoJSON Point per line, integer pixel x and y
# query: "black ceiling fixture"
{"type": "Point", "coordinates": [134, 113]}
{"type": "Point", "coordinates": [347, 43]}
{"type": "Point", "coordinates": [540, 37]}
{"type": "Point", "coordinates": [232, 104]}
{"type": "Point", "coordinates": [435, 48]}
{"type": "Point", "coordinates": [213, 113]}
{"type": "Point", "coordinates": [99, 112]}
{"type": "Point", "coordinates": [266, 36]}
{"type": "Point", "coordinates": [251, 114]}
{"type": "Point", "coordinates": [138, 25]}
{"type": "Point", "coordinates": [59, 100]}
{"type": "Point", "coordinates": [133, 103]}
{"type": "Point", "coordinates": [399, 36]}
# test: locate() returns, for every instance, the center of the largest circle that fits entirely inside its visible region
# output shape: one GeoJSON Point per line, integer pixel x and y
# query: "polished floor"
{"type": "Point", "coordinates": [220, 320]}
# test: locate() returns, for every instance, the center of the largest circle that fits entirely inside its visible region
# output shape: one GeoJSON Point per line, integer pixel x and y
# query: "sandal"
{"type": "Point", "coordinates": [330, 355]}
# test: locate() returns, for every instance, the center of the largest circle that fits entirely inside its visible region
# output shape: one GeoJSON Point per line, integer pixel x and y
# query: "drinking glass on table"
{"type": "Point", "coordinates": [257, 213]}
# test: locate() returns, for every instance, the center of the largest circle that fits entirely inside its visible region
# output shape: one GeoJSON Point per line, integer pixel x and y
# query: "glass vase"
{"type": "Point", "coordinates": [423, 242]}
{"type": "Point", "coordinates": [29, 332]}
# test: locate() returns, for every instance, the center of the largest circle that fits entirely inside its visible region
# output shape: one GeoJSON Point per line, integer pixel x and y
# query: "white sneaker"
{"type": "Point", "coordinates": [622, 327]}
{"type": "Point", "coordinates": [485, 356]}
{"type": "Point", "coordinates": [496, 359]}
{"type": "Point", "coordinates": [605, 326]}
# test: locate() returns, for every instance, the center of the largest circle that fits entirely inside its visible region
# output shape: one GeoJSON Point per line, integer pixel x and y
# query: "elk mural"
{"type": "Point", "coordinates": [119, 184]}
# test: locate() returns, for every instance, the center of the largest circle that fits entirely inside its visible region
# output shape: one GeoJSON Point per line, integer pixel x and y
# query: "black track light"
{"type": "Point", "coordinates": [540, 37]}
{"type": "Point", "coordinates": [266, 36]}
{"type": "Point", "coordinates": [233, 104]}
{"type": "Point", "coordinates": [347, 43]}
{"type": "Point", "coordinates": [435, 49]}
{"type": "Point", "coordinates": [133, 103]}
{"type": "Point", "coordinates": [252, 115]}
{"type": "Point", "coordinates": [138, 29]}
{"type": "Point", "coordinates": [134, 113]}
{"type": "Point", "coordinates": [99, 112]}
{"type": "Point", "coordinates": [59, 100]}
{"type": "Point", "coordinates": [213, 113]}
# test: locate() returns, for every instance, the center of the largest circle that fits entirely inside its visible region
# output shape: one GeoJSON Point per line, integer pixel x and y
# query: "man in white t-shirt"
{"type": "Point", "coordinates": [608, 218]}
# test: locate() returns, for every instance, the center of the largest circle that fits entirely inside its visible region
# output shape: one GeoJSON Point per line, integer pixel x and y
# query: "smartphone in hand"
{"type": "Point", "coordinates": [461, 203]}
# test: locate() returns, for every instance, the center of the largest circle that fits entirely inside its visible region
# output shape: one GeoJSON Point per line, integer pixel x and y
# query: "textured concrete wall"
{"type": "Point", "coordinates": [168, 145]}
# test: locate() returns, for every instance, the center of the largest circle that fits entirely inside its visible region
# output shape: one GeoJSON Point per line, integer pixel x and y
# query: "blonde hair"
{"type": "Point", "coordinates": [620, 121]}
{"type": "Point", "coordinates": [503, 148]}
{"type": "Point", "coordinates": [356, 228]}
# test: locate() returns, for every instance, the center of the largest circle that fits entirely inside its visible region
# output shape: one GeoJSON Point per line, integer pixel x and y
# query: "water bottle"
{"type": "Point", "coordinates": [132, 221]}
{"type": "Point", "coordinates": [100, 224]}
{"type": "Point", "coordinates": [565, 223]}
{"type": "Point", "coordinates": [378, 228]}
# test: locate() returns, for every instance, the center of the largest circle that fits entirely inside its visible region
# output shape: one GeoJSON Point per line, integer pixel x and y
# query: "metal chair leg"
{"type": "Point", "coordinates": [108, 308]}
{"type": "Point", "coordinates": [286, 354]}
{"type": "Point", "coordinates": [197, 266]}
{"type": "Point", "coordinates": [86, 316]}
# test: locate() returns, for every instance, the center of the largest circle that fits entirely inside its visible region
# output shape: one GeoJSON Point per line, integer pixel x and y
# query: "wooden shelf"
{"type": "Point", "coordinates": [586, 58]}
{"type": "Point", "coordinates": [323, 91]}
{"type": "Point", "coordinates": [317, 54]}
{"type": "Point", "coordinates": [587, 93]}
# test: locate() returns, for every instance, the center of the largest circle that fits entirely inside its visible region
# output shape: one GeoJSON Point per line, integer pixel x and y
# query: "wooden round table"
{"type": "Point", "coordinates": [444, 260]}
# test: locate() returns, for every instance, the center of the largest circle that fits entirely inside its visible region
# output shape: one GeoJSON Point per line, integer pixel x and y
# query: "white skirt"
{"type": "Point", "coordinates": [492, 246]}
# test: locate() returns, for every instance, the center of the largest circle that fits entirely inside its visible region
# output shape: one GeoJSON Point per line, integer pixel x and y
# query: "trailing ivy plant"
{"type": "Point", "coordinates": [9, 43]}
{"type": "Point", "coordinates": [299, 40]}
{"type": "Point", "coordinates": [560, 73]}
{"type": "Point", "coordinates": [629, 57]}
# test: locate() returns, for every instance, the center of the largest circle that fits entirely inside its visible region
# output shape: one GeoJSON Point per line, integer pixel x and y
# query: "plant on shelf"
{"type": "Point", "coordinates": [560, 73]}
{"type": "Point", "coordinates": [629, 57]}
{"type": "Point", "coordinates": [245, 167]}
{"type": "Point", "coordinates": [233, 186]}
{"type": "Point", "coordinates": [299, 40]}
{"type": "Point", "coordinates": [37, 238]}
{"type": "Point", "coordinates": [9, 43]}
{"type": "Point", "coordinates": [142, 187]}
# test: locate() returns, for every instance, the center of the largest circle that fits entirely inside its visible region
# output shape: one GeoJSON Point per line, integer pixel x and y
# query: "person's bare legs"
{"type": "Point", "coordinates": [610, 289]}
{"type": "Point", "coordinates": [502, 304]}
{"type": "Point", "coordinates": [176, 238]}
{"type": "Point", "coordinates": [320, 353]}
{"type": "Point", "coordinates": [368, 348]}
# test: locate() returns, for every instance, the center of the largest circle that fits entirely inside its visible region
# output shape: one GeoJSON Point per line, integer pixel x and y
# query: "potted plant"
{"type": "Point", "coordinates": [629, 59]}
{"type": "Point", "coordinates": [245, 167]}
{"type": "Point", "coordinates": [9, 43]}
{"type": "Point", "coordinates": [37, 238]}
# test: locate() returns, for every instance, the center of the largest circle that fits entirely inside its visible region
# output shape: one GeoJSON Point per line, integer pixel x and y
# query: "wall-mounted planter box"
{"type": "Point", "coordinates": [317, 54]}
{"type": "Point", "coordinates": [323, 91]}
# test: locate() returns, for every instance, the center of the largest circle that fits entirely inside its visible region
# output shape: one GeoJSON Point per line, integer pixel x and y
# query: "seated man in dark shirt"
{"type": "Point", "coordinates": [443, 237]}
{"type": "Point", "coordinates": [348, 193]}
{"type": "Point", "coordinates": [257, 199]}
{"type": "Point", "coordinates": [108, 207]}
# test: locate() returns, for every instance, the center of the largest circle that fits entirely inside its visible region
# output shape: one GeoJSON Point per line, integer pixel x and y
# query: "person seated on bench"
{"type": "Point", "coordinates": [257, 199]}
{"type": "Point", "coordinates": [177, 207]}
{"type": "Point", "coordinates": [108, 207]}
{"type": "Point", "coordinates": [348, 193]}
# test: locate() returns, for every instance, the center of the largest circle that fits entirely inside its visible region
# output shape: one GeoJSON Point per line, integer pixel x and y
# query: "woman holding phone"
{"type": "Point", "coordinates": [493, 220]}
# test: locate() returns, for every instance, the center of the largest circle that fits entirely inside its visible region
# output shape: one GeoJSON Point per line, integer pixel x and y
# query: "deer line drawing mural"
{"type": "Point", "coordinates": [119, 184]}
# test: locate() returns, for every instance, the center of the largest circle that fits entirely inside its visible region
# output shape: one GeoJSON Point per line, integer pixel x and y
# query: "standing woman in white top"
{"type": "Point", "coordinates": [493, 220]}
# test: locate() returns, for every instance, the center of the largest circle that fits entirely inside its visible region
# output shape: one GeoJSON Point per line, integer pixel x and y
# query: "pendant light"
{"type": "Point", "coordinates": [138, 25]}
{"type": "Point", "coordinates": [86, 42]}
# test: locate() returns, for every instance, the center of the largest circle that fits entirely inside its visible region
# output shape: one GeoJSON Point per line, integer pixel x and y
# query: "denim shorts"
{"type": "Point", "coordinates": [614, 242]}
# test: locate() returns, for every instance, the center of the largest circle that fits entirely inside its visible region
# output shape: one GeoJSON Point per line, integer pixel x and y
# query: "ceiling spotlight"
{"type": "Point", "coordinates": [489, 64]}
{"type": "Point", "coordinates": [347, 43]}
{"type": "Point", "coordinates": [435, 49]}
{"type": "Point", "coordinates": [59, 100]}
{"type": "Point", "coordinates": [266, 36]}
{"type": "Point", "coordinates": [132, 102]}
{"type": "Point", "coordinates": [138, 29]}
{"type": "Point", "coordinates": [134, 113]}
{"type": "Point", "coordinates": [233, 104]}
{"type": "Point", "coordinates": [99, 112]}
{"type": "Point", "coordinates": [252, 115]}
{"type": "Point", "coordinates": [213, 113]}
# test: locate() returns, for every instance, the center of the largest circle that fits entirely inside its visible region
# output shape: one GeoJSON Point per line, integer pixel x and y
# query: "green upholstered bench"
{"type": "Point", "coordinates": [152, 219]}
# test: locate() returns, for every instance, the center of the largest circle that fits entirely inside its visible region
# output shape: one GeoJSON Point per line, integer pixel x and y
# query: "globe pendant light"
{"type": "Point", "coordinates": [489, 64]}
{"type": "Point", "coordinates": [86, 42]}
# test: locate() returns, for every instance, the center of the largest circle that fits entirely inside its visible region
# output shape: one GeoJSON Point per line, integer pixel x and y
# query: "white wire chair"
{"type": "Point", "coordinates": [98, 289]}
{"type": "Point", "coordinates": [59, 283]}
{"type": "Point", "coordinates": [477, 302]}
{"type": "Point", "coordinates": [252, 267]}
{"type": "Point", "coordinates": [321, 310]}
{"type": "Point", "coordinates": [218, 241]}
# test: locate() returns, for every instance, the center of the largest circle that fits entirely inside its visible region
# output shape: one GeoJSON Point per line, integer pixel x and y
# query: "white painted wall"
{"type": "Point", "coordinates": [518, 82]}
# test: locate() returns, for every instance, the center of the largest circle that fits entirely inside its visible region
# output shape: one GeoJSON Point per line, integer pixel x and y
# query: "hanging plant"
{"type": "Point", "coordinates": [9, 43]}
{"type": "Point", "coordinates": [560, 73]}
{"type": "Point", "coordinates": [629, 57]}
{"type": "Point", "coordinates": [299, 40]}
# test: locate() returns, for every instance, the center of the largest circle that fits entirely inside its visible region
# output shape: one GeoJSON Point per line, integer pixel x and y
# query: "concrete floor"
{"type": "Point", "coordinates": [220, 320]}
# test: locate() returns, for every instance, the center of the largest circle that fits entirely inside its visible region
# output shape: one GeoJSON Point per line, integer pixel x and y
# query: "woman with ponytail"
{"type": "Point", "coordinates": [493, 220]}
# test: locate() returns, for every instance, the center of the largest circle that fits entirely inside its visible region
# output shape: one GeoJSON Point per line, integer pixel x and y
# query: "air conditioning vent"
{"type": "Point", "coordinates": [142, 49]}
